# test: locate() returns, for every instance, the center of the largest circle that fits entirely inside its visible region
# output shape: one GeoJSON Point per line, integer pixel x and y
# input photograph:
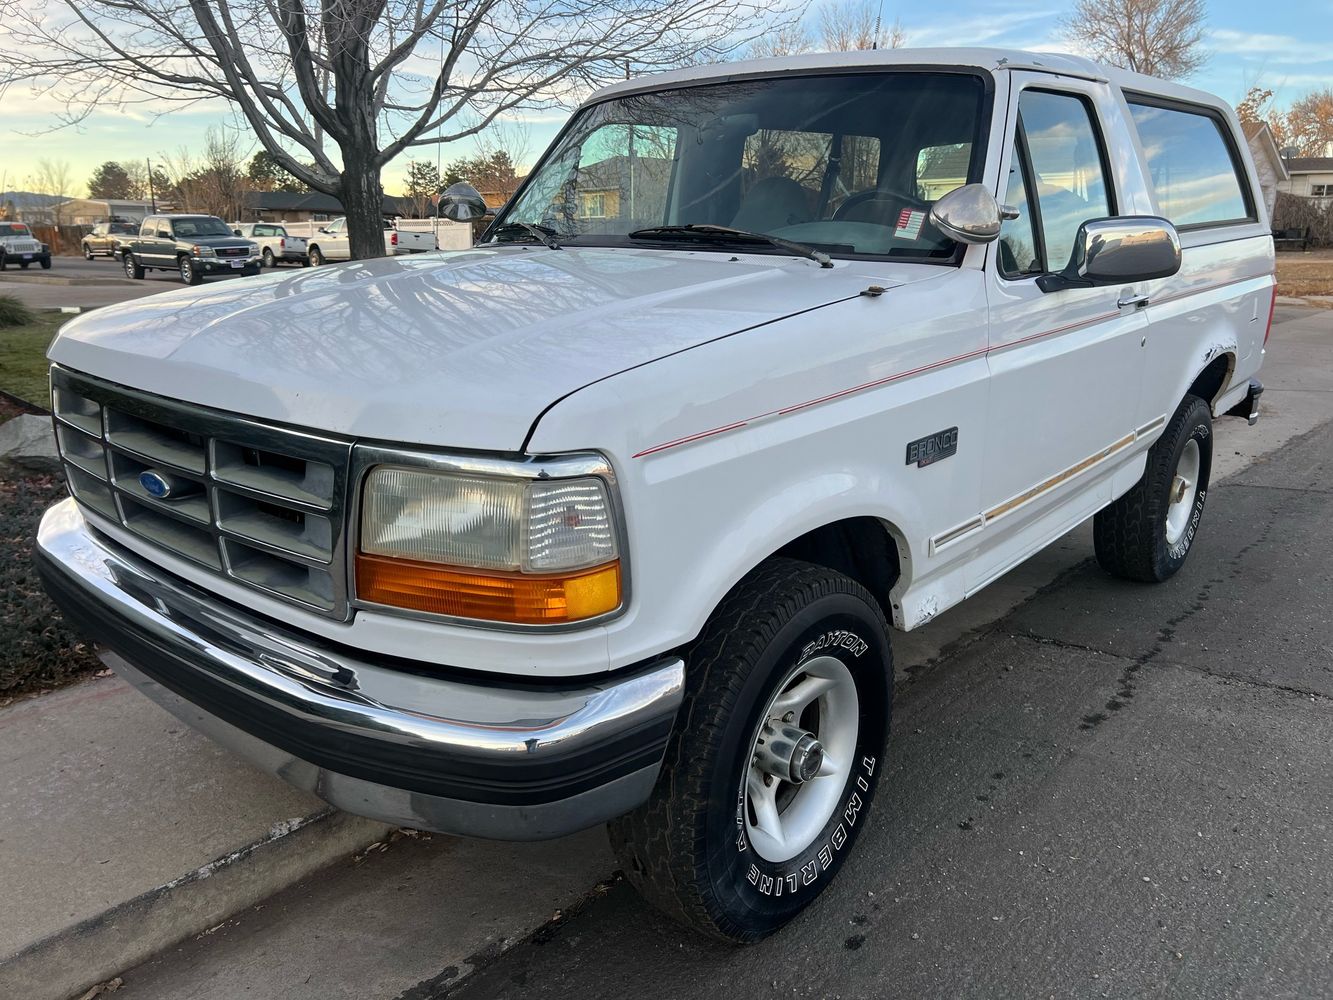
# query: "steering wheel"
{"type": "Point", "coordinates": [878, 194]}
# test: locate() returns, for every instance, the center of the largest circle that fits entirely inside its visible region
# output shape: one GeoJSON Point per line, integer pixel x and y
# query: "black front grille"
{"type": "Point", "coordinates": [232, 251]}
{"type": "Point", "coordinates": [258, 504]}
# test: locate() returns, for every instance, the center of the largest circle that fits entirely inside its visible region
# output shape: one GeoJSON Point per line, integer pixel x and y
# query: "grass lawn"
{"type": "Point", "coordinates": [23, 357]}
{"type": "Point", "coordinates": [1304, 274]}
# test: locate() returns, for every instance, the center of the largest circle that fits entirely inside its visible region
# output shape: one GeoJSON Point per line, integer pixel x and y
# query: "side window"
{"type": "Point", "coordinates": [1192, 164]}
{"type": "Point", "coordinates": [1019, 253]}
{"type": "Point", "coordinates": [148, 228]}
{"type": "Point", "coordinates": [1064, 154]}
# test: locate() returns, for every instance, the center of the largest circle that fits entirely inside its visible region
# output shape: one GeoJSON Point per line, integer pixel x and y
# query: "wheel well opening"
{"type": "Point", "coordinates": [1210, 382]}
{"type": "Point", "coordinates": [858, 547]}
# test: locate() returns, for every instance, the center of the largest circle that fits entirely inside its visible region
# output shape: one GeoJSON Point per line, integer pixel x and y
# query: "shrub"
{"type": "Point", "coordinates": [1297, 212]}
{"type": "Point", "coordinates": [13, 312]}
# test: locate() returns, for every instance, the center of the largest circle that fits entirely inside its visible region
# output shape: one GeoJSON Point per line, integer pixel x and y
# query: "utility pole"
{"type": "Point", "coordinates": [152, 198]}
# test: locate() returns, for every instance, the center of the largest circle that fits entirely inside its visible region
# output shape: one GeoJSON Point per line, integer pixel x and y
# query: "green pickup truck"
{"type": "Point", "coordinates": [194, 246]}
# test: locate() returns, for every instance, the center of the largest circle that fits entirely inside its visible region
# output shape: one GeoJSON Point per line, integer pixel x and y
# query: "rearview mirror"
{"type": "Point", "coordinates": [968, 214]}
{"type": "Point", "coordinates": [462, 202]}
{"type": "Point", "coordinates": [1118, 251]}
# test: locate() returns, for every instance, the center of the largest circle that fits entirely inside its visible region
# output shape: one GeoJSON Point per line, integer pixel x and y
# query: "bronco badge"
{"type": "Point", "coordinates": [932, 447]}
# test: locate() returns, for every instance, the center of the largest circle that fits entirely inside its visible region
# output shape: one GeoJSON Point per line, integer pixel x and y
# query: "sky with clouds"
{"type": "Point", "coordinates": [1286, 45]}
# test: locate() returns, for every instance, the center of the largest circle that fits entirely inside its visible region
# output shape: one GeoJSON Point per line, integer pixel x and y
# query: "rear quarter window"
{"type": "Point", "coordinates": [1193, 164]}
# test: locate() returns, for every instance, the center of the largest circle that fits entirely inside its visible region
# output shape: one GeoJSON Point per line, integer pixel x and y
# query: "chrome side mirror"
{"type": "Point", "coordinates": [462, 202]}
{"type": "Point", "coordinates": [1118, 251]}
{"type": "Point", "coordinates": [969, 214]}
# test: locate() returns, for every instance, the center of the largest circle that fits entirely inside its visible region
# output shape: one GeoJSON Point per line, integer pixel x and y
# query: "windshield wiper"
{"type": "Point", "coordinates": [542, 234]}
{"type": "Point", "coordinates": [708, 231]}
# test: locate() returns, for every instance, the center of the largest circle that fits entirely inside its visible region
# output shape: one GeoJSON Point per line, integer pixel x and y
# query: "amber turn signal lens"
{"type": "Point", "coordinates": [517, 598]}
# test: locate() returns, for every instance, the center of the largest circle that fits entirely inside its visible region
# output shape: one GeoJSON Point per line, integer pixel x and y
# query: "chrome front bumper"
{"type": "Point", "coordinates": [398, 742]}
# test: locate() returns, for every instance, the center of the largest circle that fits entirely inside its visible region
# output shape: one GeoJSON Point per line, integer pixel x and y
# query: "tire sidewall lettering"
{"type": "Point", "coordinates": [809, 870]}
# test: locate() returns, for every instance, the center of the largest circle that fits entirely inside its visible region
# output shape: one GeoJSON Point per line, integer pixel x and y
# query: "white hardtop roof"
{"type": "Point", "coordinates": [988, 59]}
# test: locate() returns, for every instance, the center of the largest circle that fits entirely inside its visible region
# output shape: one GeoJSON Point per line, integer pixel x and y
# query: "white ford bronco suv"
{"type": "Point", "coordinates": [607, 518]}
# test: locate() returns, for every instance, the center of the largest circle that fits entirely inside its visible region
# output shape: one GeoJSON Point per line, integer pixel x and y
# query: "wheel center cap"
{"type": "Point", "coordinates": [789, 753]}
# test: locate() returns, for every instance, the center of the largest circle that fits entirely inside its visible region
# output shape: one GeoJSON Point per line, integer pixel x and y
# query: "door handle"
{"type": "Point", "coordinates": [1138, 301]}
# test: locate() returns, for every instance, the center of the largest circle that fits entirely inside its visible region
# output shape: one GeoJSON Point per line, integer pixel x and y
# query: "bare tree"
{"type": "Point", "coordinates": [55, 179]}
{"type": "Point", "coordinates": [1309, 123]}
{"type": "Point", "coordinates": [856, 25]}
{"type": "Point", "coordinates": [213, 184]}
{"type": "Point", "coordinates": [375, 77]}
{"type": "Point", "coordinates": [1158, 37]}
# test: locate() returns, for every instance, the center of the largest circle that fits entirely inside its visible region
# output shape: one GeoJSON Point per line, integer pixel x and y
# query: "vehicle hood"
{"type": "Point", "coordinates": [462, 349]}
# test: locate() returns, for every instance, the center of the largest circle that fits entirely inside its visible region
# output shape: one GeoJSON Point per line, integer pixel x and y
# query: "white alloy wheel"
{"type": "Point", "coordinates": [1184, 488]}
{"type": "Point", "coordinates": [800, 758]}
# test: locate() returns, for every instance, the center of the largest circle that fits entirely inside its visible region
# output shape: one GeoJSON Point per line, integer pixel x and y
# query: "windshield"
{"type": "Point", "coordinates": [12, 229]}
{"type": "Point", "coordinates": [849, 164]}
{"type": "Point", "coordinates": [203, 225]}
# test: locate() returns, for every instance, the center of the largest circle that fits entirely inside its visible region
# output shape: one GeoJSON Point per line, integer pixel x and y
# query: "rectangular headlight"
{"type": "Point", "coordinates": [520, 551]}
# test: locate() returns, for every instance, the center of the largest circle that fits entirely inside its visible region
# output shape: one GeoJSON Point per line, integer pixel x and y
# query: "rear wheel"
{"type": "Point", "coordinates": [46, 263]}
{"type": "Point", "coordinates": [131, 266]}
{"type": "Point", "coordinates": [1147, 534]}
{"type": "Point", "coordinates": [775, 758]}
{"type": "Point", "coordinates": [316, 258]}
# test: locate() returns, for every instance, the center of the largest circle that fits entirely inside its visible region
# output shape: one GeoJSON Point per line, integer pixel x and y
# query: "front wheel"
{"type": "Point", "coordinates": [87, 252]}
{"type": "Point", "coordinates": [315, 257]}
{"type": "Point", "coordinates": [189, 273]}
{"type": "Point", "coordinates": [1147, 534]}
{"type": "Point", "coordinates": [46, 263]}
{"type": "Point", "coordinates": [131, 266]}
{"type": "Point", "coordinates": [776, 755]}
{"type": "Point", "coordinates": [268, 258]}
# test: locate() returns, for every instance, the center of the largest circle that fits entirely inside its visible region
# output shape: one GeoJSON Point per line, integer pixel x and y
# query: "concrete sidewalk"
{"type": "Point", "coordinates": [123, 833]}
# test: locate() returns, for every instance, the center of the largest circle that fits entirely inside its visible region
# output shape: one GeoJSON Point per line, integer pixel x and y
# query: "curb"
{"type": "Point", "coordinates": [128, 933]}
{"type": "Point", "coordinates": [24, 278]}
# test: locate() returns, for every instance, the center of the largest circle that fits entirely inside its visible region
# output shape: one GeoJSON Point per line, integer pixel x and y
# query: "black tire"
{"type": "Point", "coordinates": [2, 260]}
{"type": "Point", "coordinates": [87, 252]}
{"type": "Point", "coordinates": [1131, 535]}
{"type": "Point", "coordinates": [250, 270]}
{"type": "Point", "coordinates": [189, 274]}
{"type": "Point", "coordinates": [315, 258]}
{"type": "Point", "coordinates": [46, 263]}
{"type": "Point", "coordinates": [131, 266]}
{"type": "Point", "coordinates": [686, 848]}
{"type": "Point", "coordinates": [268, 260]}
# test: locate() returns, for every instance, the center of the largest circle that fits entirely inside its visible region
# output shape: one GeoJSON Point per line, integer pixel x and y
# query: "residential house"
{"type": "Point", "coordinates": [1311, 177]}
{"type": "Point", "coordinates": [1268, 162]}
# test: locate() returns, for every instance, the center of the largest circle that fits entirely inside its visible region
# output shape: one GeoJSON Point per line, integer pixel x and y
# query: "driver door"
{"type": "Point", "coordinates": [1066, 366]}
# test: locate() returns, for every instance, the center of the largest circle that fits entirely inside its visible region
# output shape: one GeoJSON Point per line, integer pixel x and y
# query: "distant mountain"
{"type": "Point", "coordinates": [31, 199]}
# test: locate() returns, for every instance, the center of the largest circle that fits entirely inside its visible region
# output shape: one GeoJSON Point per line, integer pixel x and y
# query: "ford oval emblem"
{"type": "Point", "coordinates": [155, 484]}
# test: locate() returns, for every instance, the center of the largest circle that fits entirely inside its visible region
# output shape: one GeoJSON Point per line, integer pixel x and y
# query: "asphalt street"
{"type": "Point", "coordinates": [1120, 790]}
{"type": "Point", "coordinates": [1109, 790]}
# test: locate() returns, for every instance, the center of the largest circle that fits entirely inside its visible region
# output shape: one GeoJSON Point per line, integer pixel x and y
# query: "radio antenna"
{"type": "Point", "coordinates": [879, 16]}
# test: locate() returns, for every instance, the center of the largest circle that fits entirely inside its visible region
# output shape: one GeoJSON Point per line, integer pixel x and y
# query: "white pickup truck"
{"type": "Point", "coordinates": [276, 245]}
{"type": "Point", "coordinates": [331, 242]}
{"type": "Point", "coordinates": [612, 517]}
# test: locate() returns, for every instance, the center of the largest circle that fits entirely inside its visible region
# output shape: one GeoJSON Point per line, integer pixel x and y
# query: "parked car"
{"type": "Point", "coordinates": [331, 242]}
{"type": "Point", "coordinates": [193, 246]}
{"type": "Point", "coordinates": [105, 237]}
{"type": "Point", "coordinates": [608, 519]}
{"type": "Point", "coordinates": [275, 245]}
{"type": "Point", "coordinates": [19, 246]}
